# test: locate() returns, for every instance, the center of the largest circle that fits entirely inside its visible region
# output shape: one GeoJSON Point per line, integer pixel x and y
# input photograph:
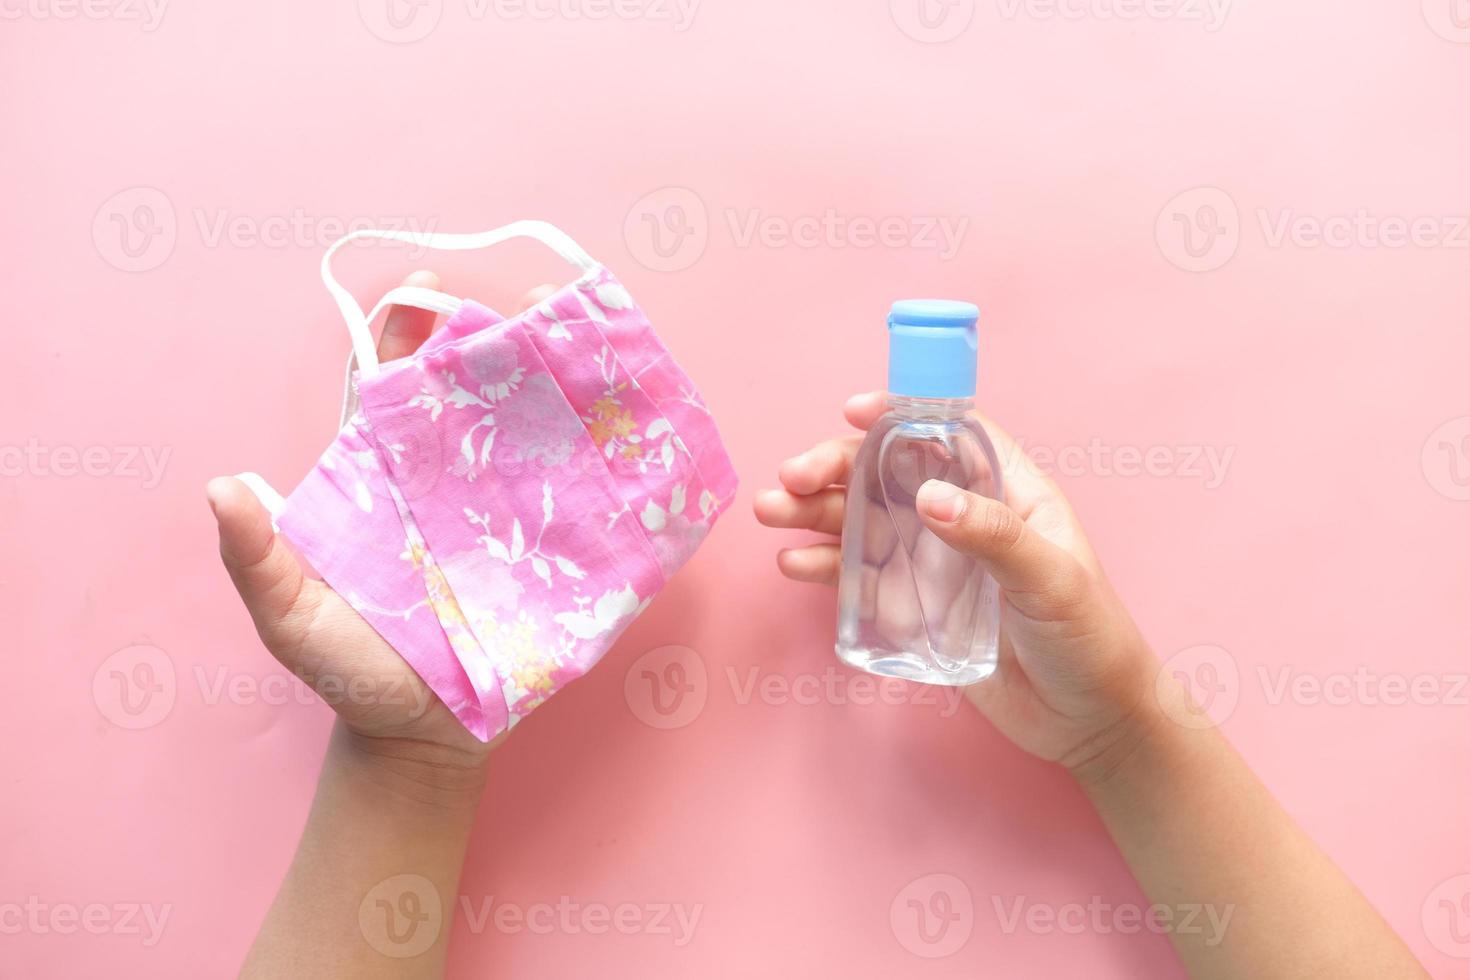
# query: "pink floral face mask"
{"type": "Point", "coordinates": [502, 504]}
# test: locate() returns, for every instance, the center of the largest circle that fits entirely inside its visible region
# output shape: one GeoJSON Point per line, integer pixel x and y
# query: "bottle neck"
{"type": "Point", "coordinates": [906, 407]}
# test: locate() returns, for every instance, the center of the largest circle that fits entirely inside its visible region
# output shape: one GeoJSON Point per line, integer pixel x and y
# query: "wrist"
{"type": "Point", "coordinates": [411, 772]}
{"type": "Point", "coordinates": [1117, 749]}
{"type": "Point", "coordinates": [1136, 733]}
{"type": "Point", "coordinates": [1150, 750]}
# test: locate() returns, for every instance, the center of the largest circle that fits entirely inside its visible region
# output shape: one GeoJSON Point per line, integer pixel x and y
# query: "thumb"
{"type": "Point", "coordinates": [1040, 579]}
{"type": "Point", "coordinates": [265, 572]}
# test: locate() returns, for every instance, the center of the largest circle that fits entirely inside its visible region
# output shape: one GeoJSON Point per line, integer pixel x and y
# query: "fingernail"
{"type": "Point", "coordinates": [211, 494]}
{"type": "Point", "coordinates": [941, 501]}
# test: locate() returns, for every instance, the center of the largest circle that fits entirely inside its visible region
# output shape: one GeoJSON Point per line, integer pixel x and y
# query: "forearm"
{"type": "Point", "coordinates": [344, 910]}
{"type": "Point", "coordinates": [1203, 836]}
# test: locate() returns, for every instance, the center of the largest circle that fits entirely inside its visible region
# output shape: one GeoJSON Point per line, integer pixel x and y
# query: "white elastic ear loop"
{"type": "Point", "coordinates": [359, 327]}
{"type": "Point", "coordinates": [415, 296]}
{"type": "Point", "coordinates": [272, 501]}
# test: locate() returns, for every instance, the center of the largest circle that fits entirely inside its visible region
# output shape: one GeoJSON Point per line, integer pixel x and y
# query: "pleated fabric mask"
{"type": "Point", "coordinates": [503, 503]}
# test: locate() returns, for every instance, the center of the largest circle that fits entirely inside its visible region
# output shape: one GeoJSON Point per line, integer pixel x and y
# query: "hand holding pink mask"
{"type": "Point", "coordinates": [502, 504]}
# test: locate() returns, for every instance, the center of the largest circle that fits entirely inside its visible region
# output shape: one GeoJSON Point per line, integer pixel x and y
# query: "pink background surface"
{"type": "Point", "coordinates": [1334, 374]}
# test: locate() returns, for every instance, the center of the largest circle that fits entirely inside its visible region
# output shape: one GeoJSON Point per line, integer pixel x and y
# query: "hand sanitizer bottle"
{"type": "Point", "coordinates": [909, 605]}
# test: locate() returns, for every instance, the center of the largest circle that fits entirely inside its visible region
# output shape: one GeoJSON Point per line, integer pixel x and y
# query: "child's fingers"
{"type": "Point", "coordinates": [821, 511]}
{"type": "Point", "coordinates": [817, 563]}
{"type": "Point", "coordinates": [1025, 483]}
{"type": "Point", "coordinates": [824, 464]}
{"type": "Point", "coordinates": [265, 572]}
{"type": "Point", "coordinates": [408, 326]}
{"type": "Point", "coordinates": [1040, 579]}
{"type": "Point", "coordinates": [863, 410]}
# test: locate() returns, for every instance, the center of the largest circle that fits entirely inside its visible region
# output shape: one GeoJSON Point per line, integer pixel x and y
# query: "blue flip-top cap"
{"type": "Point", "coordinates": [932, 348]}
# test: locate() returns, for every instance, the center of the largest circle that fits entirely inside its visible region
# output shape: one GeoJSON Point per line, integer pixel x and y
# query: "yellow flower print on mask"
{"type": "Point", "coordinates": [529, 668]}
{"type": "Point", "coordinates": [610, 420]}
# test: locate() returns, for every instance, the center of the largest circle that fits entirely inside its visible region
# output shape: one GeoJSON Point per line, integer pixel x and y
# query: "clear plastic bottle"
{"type": "Point", "coordinates": [909, 605]}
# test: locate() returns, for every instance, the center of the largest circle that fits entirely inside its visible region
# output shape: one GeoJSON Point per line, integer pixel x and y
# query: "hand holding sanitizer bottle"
{"type": "Point", "coordinates": [909, 605]}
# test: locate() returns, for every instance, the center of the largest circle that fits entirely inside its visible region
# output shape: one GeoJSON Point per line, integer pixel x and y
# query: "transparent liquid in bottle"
{"type": "Point", "coordinates": [909, 605]}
